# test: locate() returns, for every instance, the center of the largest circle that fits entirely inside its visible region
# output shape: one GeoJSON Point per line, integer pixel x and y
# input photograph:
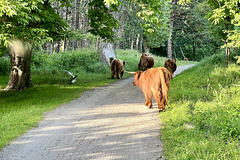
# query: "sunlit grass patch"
{"type": "Point", "coordinates": [202, 120]}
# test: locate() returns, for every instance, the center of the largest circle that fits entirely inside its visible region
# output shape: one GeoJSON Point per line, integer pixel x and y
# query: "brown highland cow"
{"type": "Point", "coordinates": [146, 61]}
{"type": "Point", "coordinates": [170, 64]}
{"type": "Point", "coordinates": [154, 82]}
{"type": "Point", "coordinates": [117, 68]}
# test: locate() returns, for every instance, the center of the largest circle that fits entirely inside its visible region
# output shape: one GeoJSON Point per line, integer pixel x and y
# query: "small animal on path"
{"type": "Point", "coordinates": [154, 82]}
{"type": "Point", "coordinates": [117, 68]}
{"type": "Point", "coordinates": [170, 64]}
{"type": "Point", "coordinates": [146, 61]}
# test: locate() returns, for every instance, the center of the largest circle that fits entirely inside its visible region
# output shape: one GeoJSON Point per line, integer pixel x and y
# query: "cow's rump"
{"type": "Point", "coordinates": [146, 61]}
{"type": "Point", "coordinates": [117, 68]}
{"type": "Point", "coordinates": [155, 83]}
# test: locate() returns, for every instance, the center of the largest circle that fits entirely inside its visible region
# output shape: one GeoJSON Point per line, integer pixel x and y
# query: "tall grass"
{"type": "Point", "coordinates": [202, 120]}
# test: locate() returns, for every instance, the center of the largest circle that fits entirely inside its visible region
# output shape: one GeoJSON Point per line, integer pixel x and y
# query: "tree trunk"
{"type": "Point", "coordinates": [106, 52]}
{"type": "Point", "coordinates": [72, 43]}
{"type": "Point", "coordinates": [194, 51]}
{"type": "Point", "coordinates": [20, 67]}
{"type": "Point", "coordinates": [227, 55]}
{"type": "Point", "coordinates": [137, 41]}
{"type": "Point", "coordinates": [132, 41]}
{"type": "Point", "coordinates": [66, 17]}
{"type": "Point", "coordinates": [140, 45]}
{"type": "Point", "coordinates": [145, 47]}
{"type": "Point", "coordinates": [169, 51]}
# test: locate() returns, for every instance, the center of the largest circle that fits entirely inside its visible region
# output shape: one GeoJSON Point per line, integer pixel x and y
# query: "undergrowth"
{"type": "Point", "coordinates": [202, 120]}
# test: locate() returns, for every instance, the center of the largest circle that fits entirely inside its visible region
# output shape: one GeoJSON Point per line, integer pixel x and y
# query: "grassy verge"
{"type": "Point", "coordinates": [20, 111]}
{"type": "Point", "coordinates": [202, 120]}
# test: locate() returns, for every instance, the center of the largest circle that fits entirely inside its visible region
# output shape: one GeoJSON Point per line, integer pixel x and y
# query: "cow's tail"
{"type": "Point", "coordinates": [116, 68]}
{"type": "Point", "coordinates": [164, 87]}
{"type": "Point", "coordinates": [113, 67]}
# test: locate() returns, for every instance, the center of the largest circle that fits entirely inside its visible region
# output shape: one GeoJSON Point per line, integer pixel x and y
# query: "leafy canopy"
{"type": "Point", "coordinates": [103, 22]}
{"type": "Point", "coordinates": [227, 13]}
{"type": "Point", "coordinates": [33, 21]}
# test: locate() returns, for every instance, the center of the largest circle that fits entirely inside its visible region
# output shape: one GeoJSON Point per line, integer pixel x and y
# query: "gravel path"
{"type": "Point", "coordinates": [106, 123]}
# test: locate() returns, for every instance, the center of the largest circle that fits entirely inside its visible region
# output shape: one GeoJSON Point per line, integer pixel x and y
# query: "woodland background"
{"type": "Point", "coordinates": [182, 29]}
{"type": "Point", "coordinates": [193, 35]}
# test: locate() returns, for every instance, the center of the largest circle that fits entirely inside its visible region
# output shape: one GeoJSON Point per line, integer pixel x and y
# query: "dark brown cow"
{"type": "Point", "coordinates": [170, 64]}
{"type": "Point", "coordinates": [146, 61]}
{"type": "Point", "coordinates": [154, 82]}
{"type": "Point", "coordinates": [117, 68]}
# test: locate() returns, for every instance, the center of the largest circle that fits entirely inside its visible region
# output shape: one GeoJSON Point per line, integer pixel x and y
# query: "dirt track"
{"type": "Point", "coordinates": [106, 123]}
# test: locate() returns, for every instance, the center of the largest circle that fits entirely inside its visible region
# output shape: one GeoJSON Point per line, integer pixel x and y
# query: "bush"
{"type": "Point", "coordinates": [81, 61]}
{"type": "Point", "coordinates": [4, 65]}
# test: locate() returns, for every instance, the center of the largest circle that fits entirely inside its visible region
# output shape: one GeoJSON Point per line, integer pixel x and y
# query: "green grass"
{"type": "Point", "coordinates": [132, 58]}
{"type": "Point", "coordinates": [202, 120]}
{"type": "Point", "coordinates": [20, 111]}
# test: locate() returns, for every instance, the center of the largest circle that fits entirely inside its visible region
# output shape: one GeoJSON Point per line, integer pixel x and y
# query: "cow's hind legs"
{"type": "Point", "coordinates": [112, 75]}
{"type": "Point", "coordinates": [161, 105]}
{"type": "Point", "coordinates": [121, 74]}
{"type": "Point", "coordinates": [148, 102]}
{"type": "Point", "coordinates": [159, 100]}
{"type": "Point", "coordinates": [160, 108]}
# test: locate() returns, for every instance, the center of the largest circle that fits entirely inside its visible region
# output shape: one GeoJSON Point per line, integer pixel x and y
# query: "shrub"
{"type": "Point", "coordinates": [84, 60]}
{"type": "Point", "coordinates": [4, 65]}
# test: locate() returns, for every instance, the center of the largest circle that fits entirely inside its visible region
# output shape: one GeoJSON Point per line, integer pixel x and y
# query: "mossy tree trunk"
{"type": "Point", "coordinates": [20, 69]}
{"type": "Point", "coordinates": [227, 55]}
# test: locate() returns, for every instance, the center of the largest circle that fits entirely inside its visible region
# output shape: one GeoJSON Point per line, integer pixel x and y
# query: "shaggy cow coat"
{"type": "Point", "coordinates": [117, 68]}
{"type": "Point", "coordinates": [154, 82]}
{"type": "Point", "coordinates": [146, 61]}
{"type": "Point", "coordinates": [170, 64]}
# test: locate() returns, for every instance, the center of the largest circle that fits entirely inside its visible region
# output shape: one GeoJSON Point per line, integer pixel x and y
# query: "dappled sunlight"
{"type": "Point", "coordinates": [109, 122]}
{"type": "Point", "coordinates": [22, 142]}
{"type": "Point", "coordinates": [97, 134]}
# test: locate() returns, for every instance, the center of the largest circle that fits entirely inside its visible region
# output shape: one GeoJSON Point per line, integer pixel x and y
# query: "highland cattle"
{"type": "Point", "coordinates": [146, 61]}
{"type": "Point", "coordinates": [154, 82]}
{"type": "Point", "coordinates": [170, 64]}
{"type": "Point", "coordinates": [117, 68]}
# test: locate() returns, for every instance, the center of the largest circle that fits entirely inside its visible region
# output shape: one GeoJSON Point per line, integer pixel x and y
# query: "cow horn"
{"type": "Point", "coordinates": [130, 72]}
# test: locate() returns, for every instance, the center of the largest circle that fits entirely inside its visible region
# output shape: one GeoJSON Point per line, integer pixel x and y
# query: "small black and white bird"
{"type": "Point", "coordinates": [73, 80]}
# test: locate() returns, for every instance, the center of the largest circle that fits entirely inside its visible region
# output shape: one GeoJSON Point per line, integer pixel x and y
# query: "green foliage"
{"type": "Point", "coordinates": [238, 59]}
{"type": "Point", "coordinates": [202, 118]}
{"type": "Point", "coordinates": [226, 14]}
{"type": "Point", "coordinates": [4, 65]}
{"type": "Point", "coordinates": [131, 57]}
{"type": "Point", "coordinates": [152, 18]}
{"type": "Point", "coordinates": [78, 36]}
{"type": "Point", "coordinates": [84, 60]}
{"type": "Point", "coordinates": [33, 21]}
{"type": "Point", "coordinates": [152, 15]}
{"type": "Point", "coordinates": [192, 32]}
{"type": "Point", "coordinates": [102, 21]}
